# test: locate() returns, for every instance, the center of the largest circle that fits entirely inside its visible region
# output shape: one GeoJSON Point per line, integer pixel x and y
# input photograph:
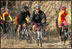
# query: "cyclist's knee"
{"type": "Point", "coordinates": [19, 26]}
{"type": "Point", "coordinates": [60, 28]}
{"type": "Point", "coordinates": [24, 25]}
{"type": "Point", "coordinates": [66, 27]}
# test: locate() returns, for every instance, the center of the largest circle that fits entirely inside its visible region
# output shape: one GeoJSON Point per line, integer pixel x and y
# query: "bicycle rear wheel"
{"type": "Point", "coordinates": [41, 42]}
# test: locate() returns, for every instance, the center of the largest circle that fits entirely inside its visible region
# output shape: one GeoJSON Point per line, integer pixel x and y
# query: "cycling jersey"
{"type": "Point", "coordinates": [4, 16]}
{"type": "Point", "coordinates": [16, 19]}
{"type": "Point", "coordinates": [37, 18]}
{"type": "Point", "coordinates": [61, 18]}
{"type": "Point", "coordinates": [22, 16]}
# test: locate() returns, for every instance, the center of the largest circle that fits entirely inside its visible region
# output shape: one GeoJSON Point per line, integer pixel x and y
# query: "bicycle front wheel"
{"type": "Point", "coordinates": [1, 31]}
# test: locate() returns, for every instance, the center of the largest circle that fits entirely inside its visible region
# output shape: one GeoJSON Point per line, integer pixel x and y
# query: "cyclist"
{"type": "Point", "coordinates": [22, 18]}
{"type": "Point", "coordinates": [4, 17]}
{"type": "Point", "coordinates": [61, 19]}
{"type": "Point", "coordinates": [37, 16]}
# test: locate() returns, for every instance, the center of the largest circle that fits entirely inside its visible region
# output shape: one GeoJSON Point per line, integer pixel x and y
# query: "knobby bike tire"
{"type": "Point", "coordinates": [29, 40]}
{"type": "Point", "coordinates": [41, 42]}
{"type": "Point", "coordinates": [1, 31]}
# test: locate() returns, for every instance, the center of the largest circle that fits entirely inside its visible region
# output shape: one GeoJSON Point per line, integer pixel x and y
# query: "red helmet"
{"type": "Point", "coordinates": [63, 7]}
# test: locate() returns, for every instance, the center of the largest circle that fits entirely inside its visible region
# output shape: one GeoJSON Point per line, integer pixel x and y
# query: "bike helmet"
{"type": "Point", "coordinates": [63, 7]}
{"type": "Point", "coordinates": [25, 7]}
{"type": "Point", "coordinates": [37, 6]}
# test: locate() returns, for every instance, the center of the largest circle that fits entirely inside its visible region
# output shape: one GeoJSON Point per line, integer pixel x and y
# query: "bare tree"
{"type": "Point", "coordinates": [7, 4]}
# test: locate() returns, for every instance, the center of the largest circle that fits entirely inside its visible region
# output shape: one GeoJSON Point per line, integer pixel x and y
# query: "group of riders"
{"type": "Point", "coordinates": [36, 16]}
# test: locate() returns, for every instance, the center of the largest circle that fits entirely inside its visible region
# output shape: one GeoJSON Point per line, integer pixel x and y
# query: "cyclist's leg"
{"type": "Point", "coordinates": [25, 27]}
{"type": "Point", "coordinates": [18, 30]}
{"type": "Point", "coordinates": [19, 26]}
{"type": "Point", "coordinates": [66, 28]}
{"type": "Point", "coordinates": [65, 24]}
{"type": "Point", "coordinates": [35, 28]}
{"type": "Point", "coordinates": [60, 31]}
{"type": "Point", "coordinates": [39, 32]}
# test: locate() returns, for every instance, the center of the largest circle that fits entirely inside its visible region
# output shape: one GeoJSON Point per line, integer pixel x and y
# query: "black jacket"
{"type": "Point", "coordinates": [22, 15]}
{"type": "Point", "coordinates": [37, 18]}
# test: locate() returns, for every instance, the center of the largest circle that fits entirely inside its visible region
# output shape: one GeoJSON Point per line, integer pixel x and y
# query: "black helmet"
{"type": "Point", "coordinates": [25, 7]}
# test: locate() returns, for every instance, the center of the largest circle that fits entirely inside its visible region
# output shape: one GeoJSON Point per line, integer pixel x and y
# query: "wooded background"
{"type": "Point", "coordinates": [50, 8]}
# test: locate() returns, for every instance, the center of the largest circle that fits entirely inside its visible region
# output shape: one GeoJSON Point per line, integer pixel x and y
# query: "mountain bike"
{"type": "Point", "coordinates": [66, 34]}
{"type": "Point", "coordinates": [25, 34]}
{"type": "Point", "coordinates": [5, 28]}
{"type": "Point", "coordinates": [38, 33]}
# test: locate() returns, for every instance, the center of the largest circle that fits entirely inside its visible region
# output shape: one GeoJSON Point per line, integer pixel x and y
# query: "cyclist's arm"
{"type": "Point", "coordinates": [44, 17]}
{"type": "Point", "coordinates": [28, 18]}
{"type": "Point", "coordinates": [3, 16]}
{"type": "Point", "coordinates": [10, 17]}
{"type": "Point", "coordinates": [69, 15]}
{"type": "Point", "coordinates": [59, 18]}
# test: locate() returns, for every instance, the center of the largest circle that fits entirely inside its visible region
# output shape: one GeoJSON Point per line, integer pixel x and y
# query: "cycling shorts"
{"type": "Point", "coordinates": [64, 22]}
{"type": "Point", "coordinates": [35, 27]}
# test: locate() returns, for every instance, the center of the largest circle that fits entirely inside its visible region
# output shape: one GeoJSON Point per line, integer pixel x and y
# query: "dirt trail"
{"type": "Point", "coordinates": [16, 43]}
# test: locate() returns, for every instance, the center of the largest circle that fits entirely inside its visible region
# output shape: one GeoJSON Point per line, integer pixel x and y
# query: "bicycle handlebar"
{"type": "Point", "coordinates": [42, 24]}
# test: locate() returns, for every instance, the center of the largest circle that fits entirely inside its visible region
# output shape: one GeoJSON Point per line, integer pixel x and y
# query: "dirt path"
{"type": "Point", "coordinates": [16, 43]}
